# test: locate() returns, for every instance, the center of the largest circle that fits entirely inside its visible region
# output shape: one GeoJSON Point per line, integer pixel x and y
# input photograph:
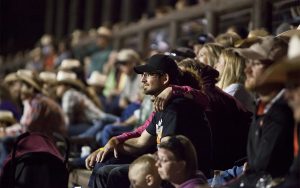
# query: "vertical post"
{"type": "Point", "coordinates": [211, 22]}
{"type": "Point", "coordinates": [89, 14]}
{"type": "Point", "coordinates": [73, 15]}
{"type": "Point", "coordinates": [107, 6]}
{"type": "Point", "coordinates": [126, 11]}
{"type": "Point", "coordinates": [141, 41]}
{"type": "Point", "coordinates": [262, 14]}
{"type": "Point", "coordinates": [174, 30]}
{"type": "Point", "coordinates": [60, 19]}
{"type": "Point", "coordinates": [49, 16]}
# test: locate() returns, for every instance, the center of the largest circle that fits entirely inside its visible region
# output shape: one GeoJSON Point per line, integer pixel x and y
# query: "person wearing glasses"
{"type": "Point", "coordinates": [177, 163]}
{"type": "Point", "coordinates": [181, 116]}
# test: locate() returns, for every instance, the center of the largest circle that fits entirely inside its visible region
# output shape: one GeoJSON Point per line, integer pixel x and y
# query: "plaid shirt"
{"type": "Point", "coordinates": [79, 108]}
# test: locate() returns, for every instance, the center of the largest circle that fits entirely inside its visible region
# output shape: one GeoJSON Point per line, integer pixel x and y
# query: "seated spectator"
{"type": "Point", "coordinates": [228, 118]}
{"type": "Point", "coordinates": [177, 163]}
{"type": "Point", "coordinates": [209, 54]}
{"type": "Point", "coordinates": [14, 86]}
{"type": "Point", "coordinates": [84, 116]}
{"type": "Point", "coordinates": [143, 172]}
{"type": "Point", "coordinates": [126, 60]}
{"type": "Point", "coordinates": [232, 77]}
{"type": "Point", "coordinates": [6, 119]}
{"type": "Point", "coordinates": [48, 80]}
{"type": "Point", "coordinates": [166, 72]}
{"type": "Point", "coordinates": [96, 84]}
{"type": "Point", "coordinates": [271, 131]}
{"type": "Point", "coordinates": [288, 72]}
{"type": "Point", "coordinates": [7, 102]}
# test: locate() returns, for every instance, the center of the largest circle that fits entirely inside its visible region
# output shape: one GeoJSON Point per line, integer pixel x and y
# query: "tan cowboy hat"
{"type": "Point", "coordinates": [47, 77]}
{"type": "Point", "coordinates": [126, 55]}
{"type": "Point", "coordinates": [69, 78]}
{"type": "Point", "coordinates": [7, 116]}
{"type": "Point", "coordinates": [267, 48]}
{"type": "Point", "coordinates": [30, 78]}
{"type": "Point", "coordinates": [246, 43]}
{"type": "Point", "coordinates": [279, 72]}
{"type": "Point", "coordinates": [290, 33]}
{"type": "Point", "coordinates": [97, 79]}
{"type": "Point", "coordinates": [103, 31]}
{"type": "Point", "coordinates": [11, 77]}
{"type": "Point", "coordinates": [69, 64]}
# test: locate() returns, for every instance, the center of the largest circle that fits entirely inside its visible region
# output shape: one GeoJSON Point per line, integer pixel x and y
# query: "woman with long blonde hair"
{"type": "Point", "coordinates": [209, 54]}
{"type": "Point", "coordinates": [232, 77]}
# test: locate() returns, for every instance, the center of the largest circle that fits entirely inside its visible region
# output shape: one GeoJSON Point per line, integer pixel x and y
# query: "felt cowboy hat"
{"type": "Point", "coordinates": [30, 78]}
{"type": "Point", "coordinates": [267, 48]}
{"type": "Point", "coordinates": [69, 78]}
{"type": "Point", "coordinates": [286, 69]}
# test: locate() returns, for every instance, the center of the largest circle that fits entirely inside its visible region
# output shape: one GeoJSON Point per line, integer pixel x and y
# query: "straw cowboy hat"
{"type": "Point", "coordinates": [47, 77]}
{"type": "Point", "coordinates": [128, 55]}
{"type": "Point", "coordinates": [30, 78]}
{"type": "Point", "coordinates": [284, 70]}
{"type": "Point", "coordinates": [69, 78]}
{"type": "Point", "coordinates": [97, 79]}
{"type": "Point", "coordinates": [11, 77]}
{"type": "Point", "coordinates": [69, 64]}
{"type": "Point", "coordinates": [7, 116]}
{"type": "Point", "coordinates": [103, 31]}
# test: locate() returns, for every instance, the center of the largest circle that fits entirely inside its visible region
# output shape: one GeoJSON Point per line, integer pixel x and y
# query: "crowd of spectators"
{"type": "Point", "coordinates": [169, 118]}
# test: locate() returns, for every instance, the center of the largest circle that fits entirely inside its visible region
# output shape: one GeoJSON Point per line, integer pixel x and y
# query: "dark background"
{"type": "Point", "coordinates": [21, 24]}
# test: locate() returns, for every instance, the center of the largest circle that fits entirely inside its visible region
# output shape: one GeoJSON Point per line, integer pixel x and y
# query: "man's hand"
{"type": "Point", "coordinates": [100, 154]}
{"type": "Point", "coordinates": [110, 146]}
{"type": "Point", "coordinates": [91, 159]}
{"type": "Point", "coordinates": [162, 99]}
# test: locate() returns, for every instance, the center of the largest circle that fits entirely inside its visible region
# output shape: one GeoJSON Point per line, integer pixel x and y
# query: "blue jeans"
{"type": "Point", "coordinates": [104, 174]}
{"type": "Point", "coordinates": [98, 126]}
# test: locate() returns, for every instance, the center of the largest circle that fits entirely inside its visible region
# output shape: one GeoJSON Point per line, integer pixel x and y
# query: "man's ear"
{"type": "Point", "coordinates": [166, 79]}
{"type": "Point", "coordinates": [149, 179]}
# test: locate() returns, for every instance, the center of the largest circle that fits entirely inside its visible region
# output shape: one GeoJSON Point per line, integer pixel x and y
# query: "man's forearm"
{"type": "Point", "coordinates": [133, 146]}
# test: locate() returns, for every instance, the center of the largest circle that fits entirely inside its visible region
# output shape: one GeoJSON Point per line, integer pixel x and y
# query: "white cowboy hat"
{"type": "Point", "coordinates": [47, 77]}
{"type": "Point", "coordinates": [104, 31]}
{"type": "Point", "coordinates": [97, 79]}
{"type": "Point", "coordinates": [69, 78]}
{"type": "Point", "coordinates": [68, 64]}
